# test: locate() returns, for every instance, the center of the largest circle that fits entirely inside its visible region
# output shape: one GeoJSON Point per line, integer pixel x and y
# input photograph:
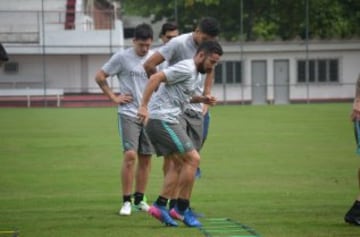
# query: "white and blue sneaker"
{"type": "Point", "coordinates": [125, 209]}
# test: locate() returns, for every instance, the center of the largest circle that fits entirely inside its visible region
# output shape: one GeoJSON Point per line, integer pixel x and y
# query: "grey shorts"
{"type": "Point", "coordinates": [133, 135]}
{"type": "Point", "coordinates": [193, 121]}
{"type": "Point", "coordinates": [168, 138]}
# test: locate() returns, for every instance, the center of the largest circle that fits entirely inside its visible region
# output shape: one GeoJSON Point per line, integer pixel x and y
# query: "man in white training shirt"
{"type": "Point", "coordinates": [128, 66]}
{"type": "Point", "coordinates": [170, 139]}
{"type": "Point", "coordinates": [177, 49]}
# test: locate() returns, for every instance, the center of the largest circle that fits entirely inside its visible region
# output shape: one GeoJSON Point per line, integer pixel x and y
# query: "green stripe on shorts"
{"type": "Point", "coordinates": [174, 138]}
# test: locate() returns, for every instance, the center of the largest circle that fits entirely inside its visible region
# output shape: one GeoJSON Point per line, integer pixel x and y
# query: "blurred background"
{"type": "Point", "coordinates": [276, 51]}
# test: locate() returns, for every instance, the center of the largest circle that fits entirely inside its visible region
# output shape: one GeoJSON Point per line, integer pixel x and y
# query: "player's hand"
{"type": "Point", "coordinates": [210, 100]}
{"type": "Point", "coordinates": [143, 114]}
{"type": "Point", "coordinates": [355, 115]}
{"type": "Point", "coordinates": [123, 99]}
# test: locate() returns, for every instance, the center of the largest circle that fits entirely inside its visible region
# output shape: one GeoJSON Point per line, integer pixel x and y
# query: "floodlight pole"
{"type": "Point", "coordinates": [43, 50]}
{"type": "Point", "coordinates": [241, 50]}
{"type": "Point", "coordinates": [307, 72]}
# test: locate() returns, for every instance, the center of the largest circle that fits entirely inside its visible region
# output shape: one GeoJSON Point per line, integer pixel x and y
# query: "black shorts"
{"type": "Point", "coordinates": [168, 138]}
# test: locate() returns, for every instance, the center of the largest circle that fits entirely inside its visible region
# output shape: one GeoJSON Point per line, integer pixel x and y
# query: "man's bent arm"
{"type": "Point", "coordinates": [100, 79]}
{"type": "Point", "coordinates": [151, 86]}
{"type": "Point", "coordinates": [151, 63]}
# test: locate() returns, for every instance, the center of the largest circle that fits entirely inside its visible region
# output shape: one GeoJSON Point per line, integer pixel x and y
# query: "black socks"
{"type": "Point", "coordinates": [127, 198]}
{"type": "Point", "coordinates": [161, 201]}
{"type": "Point", "coordinates": [138, 197]}
{"type": "Point", "coordinates": [183, 204]}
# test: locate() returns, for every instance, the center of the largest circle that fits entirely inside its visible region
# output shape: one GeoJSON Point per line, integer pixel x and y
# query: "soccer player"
{"type": "Point", "coordinates": [169, 137]}
{"type": "Point", "coordinates": [180, 48]}
{"type": "Point", "coordinates": [168, 31]}
{"type": "Point", "coordinates": [127, 65]}
{"type": "Point", "coordinates": [353, 215]}
{"type": "Point", "coordinates": [3, 55]}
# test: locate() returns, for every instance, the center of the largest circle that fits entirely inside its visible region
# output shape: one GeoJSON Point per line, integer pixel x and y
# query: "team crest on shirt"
{"type": "Point", "coordinates": [138, 74]}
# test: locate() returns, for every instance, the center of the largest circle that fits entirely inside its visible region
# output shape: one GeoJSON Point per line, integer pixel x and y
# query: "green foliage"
{"type": "Point", "coordinates": [259, 19]}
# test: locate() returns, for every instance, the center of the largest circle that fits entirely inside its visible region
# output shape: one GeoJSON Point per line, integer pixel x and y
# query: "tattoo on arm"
{"type": "Point", "coordinates": [102, 83]}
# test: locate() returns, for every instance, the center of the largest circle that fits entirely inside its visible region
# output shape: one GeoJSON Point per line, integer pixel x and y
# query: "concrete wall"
{"type": "Point", "coordinates": [73, 69]}
{"type": "Point", "coordinates": [348, 53]}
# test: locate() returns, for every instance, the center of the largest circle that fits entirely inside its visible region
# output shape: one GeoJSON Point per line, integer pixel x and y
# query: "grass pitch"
{"type": "Point", "coordinates": [285, 171]}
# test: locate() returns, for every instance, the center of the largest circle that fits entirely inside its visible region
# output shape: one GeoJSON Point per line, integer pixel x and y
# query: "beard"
{"type": "Point", "coordinates": [201, 69]}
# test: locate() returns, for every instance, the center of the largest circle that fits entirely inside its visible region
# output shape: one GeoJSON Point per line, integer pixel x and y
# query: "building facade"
{"type": "Point", "coordinates": [62, 43]}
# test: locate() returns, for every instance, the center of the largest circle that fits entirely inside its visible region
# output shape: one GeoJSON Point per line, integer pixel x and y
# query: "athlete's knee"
{"type": "Point", "coordinates": [193, 158]}
{"type": "Point", "coordinates": [130, 157]}
{"type": "Point", "coordinates": [173, 163]}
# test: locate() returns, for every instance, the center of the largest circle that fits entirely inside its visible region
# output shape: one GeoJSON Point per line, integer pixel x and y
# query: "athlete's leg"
{"type": "Point", "coordinates": [186, 182]}
{"type": "Point", "coordinates": [171, 177]}
{"type": "Point", "coordinates": [142, 172]}
{"type": "Point", "coordinates": [127, 172]}
{"type": "Point", "coordinates": [206, 125]}
{"type": "Point", "coordinates": [187, 174]}
{"type": "Point", "coordinates": [352, 216]}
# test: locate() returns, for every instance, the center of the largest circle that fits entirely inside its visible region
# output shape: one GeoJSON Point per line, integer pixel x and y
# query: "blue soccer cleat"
{"type": "Point", "coordinates": [187, 217]}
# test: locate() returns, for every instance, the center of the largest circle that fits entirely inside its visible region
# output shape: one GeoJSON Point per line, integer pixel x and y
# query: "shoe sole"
{"type": "Point", "coordinates": [124, 214]}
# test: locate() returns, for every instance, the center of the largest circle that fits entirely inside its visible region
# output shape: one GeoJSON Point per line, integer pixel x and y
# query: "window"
{"type": "Point", "coordinates": [129, 33]}
{"type": "Point", "coordinates": [301, 71]}
{"type": "Point", "coordinates": [334, 70]}
{"type": "Point", "coordinates": [231, 70]}
{"type": "Point", "coordinates": [218, 73]}
{"type": "Point", "coordinates": [320, 70]}
{"type": "Point", "coordinates": [11, 67]}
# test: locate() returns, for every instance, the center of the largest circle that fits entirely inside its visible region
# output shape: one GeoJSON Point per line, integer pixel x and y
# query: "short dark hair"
{"type": "Point", "coordinates": [143, 32]}
{"type": "Point", "coordinates": [209, 26]}
{"type": "Point", "coordinates": [168, 26]}
{"type": "Point", "coordinates": [210, 47]}
{"type": "Point", "coordinates": [3, 54]}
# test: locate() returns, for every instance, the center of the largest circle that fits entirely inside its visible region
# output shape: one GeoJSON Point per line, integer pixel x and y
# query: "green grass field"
{"type": "Point", "coordinates": [286, 171]}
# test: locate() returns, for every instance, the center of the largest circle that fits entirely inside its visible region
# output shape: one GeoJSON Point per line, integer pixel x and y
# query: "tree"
{"type": "Point", "coordinates": [262, 19]}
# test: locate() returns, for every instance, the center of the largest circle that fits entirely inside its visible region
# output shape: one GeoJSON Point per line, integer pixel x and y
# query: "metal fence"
{"type": "Point", "coordinates": [47, 54]}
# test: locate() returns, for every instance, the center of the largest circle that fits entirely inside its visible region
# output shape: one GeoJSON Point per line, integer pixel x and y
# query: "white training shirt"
{"type": "Point", "coordinates": [169, 101]}
{"type": "Point", "coordinates": [180, 48]}
{"type": "Point", "coordinates": [128, 67]}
